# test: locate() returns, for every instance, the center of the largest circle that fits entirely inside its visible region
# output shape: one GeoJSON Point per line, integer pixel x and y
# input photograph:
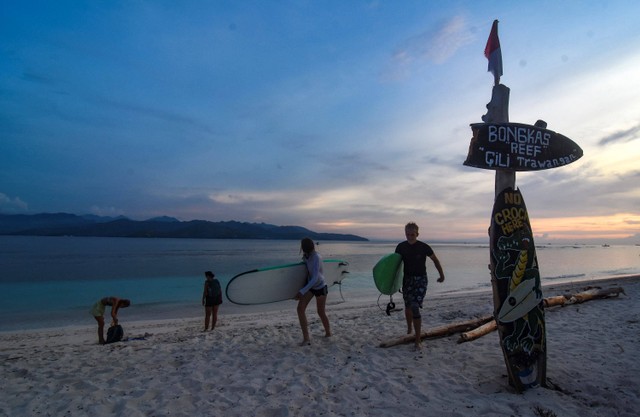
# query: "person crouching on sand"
{"type": "Point", "coordinates": [315, 287]}
{"type": "Point", "coordinates": [97, 311]}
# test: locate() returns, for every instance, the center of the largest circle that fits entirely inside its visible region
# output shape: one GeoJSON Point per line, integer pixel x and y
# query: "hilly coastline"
{"type": "Point", "coordinates": [64, 224]}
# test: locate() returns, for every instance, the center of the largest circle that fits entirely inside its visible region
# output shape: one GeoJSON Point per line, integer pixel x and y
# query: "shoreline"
{"type": "Point", "coordinates": [182, 313]}
{"type": "Point", "coordinates": [251, 364]}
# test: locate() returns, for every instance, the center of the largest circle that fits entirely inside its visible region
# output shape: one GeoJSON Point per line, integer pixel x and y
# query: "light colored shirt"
{"type": "Point", "coordinates": [315, 279]}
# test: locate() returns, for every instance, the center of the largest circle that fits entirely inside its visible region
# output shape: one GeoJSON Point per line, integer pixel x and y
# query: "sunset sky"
{"type": "Point", "coordinates": [339, 116]}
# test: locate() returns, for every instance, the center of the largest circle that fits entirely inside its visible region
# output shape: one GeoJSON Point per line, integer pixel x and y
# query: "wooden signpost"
{"type": "Point", "coordinates": [519, 147]}
{"type": "Point", "coordinates": [506, 148]}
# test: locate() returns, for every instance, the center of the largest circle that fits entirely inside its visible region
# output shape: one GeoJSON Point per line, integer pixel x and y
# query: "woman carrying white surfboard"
{"type": "Point", "coordinates": [315, 287]}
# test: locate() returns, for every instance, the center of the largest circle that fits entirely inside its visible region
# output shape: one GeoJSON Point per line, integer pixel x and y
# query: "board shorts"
{"type": "Point", "coordinates": [319, 293]}
{"type": "Point", "coordinates": [414, 289]}
{"type": "Point", "coordinates": [212, 301]}
{"type": "Point", "coordinates": [98, 309]}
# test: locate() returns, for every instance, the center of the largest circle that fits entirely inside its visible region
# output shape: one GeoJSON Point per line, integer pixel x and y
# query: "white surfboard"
{"type": "Point", "coordinates": [520, 301]}
{"type": "Point", "coordinates": [279, 283]}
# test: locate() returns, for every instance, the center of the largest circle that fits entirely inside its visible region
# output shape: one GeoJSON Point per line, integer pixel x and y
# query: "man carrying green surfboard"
{"type": "Point", "coordinates": [414, 283]}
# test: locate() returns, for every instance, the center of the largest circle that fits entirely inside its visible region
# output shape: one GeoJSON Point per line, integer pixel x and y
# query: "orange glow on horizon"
{"type": "Point", "coordinates": [617, 226]}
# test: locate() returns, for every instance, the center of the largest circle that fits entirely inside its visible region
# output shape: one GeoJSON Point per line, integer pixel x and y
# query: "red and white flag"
{"type": "Point", "coordinates": [493, 53]}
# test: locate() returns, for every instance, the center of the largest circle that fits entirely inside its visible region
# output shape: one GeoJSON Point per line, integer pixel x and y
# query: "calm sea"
{"type": "Point", "coordinates": [53, 281]}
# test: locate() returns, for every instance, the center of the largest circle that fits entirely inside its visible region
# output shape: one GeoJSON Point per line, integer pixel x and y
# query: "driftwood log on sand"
{"type": "Point", "coordinates": [478, 332]}
{"type": "Point", "coordinates": [441, 331]}
{"type": "Point", "coordinates": [590, 293]}
{"type": "Point", "coordinates": [594, 293]}
{"type": "Point", "coordinates": [475, 328]}
{"type": "Point", "coordinates": [561, 300]}
{"type": "Point", "coordinates": [557, 300]}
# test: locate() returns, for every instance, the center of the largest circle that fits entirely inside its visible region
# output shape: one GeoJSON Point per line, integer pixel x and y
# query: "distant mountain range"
{"type": "Point", "coordinates": [64, 224]}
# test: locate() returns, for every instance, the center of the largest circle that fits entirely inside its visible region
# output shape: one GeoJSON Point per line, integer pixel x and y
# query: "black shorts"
{"type": "Point", "coordinates": [319, 293]}
{"type": "Point", "coordinates": [212, 302]}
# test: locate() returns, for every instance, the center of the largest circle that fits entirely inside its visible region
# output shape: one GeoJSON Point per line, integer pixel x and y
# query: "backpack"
{"type": "Point", "coordinates": [114, 334]}
{"type": "Point", "coordinates": [214, 291]}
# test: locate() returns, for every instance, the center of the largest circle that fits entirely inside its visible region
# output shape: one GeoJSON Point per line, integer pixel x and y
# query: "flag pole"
{"type": "Point", "coordinates": [498, 112]}
{"type": "Point", "coordinates": [498, 107]}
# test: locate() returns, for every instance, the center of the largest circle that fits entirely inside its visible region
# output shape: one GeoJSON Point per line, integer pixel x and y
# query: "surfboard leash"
{"type": "Point", "coordinates": [339, 284]}
{"type": "Point", "coordinates": [391, 306]}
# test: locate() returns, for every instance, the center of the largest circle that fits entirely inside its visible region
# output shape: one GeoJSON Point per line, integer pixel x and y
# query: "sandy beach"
{"type": "Point", "coordinates": [251, 365]}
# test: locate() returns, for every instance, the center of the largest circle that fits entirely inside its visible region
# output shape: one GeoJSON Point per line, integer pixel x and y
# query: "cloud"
{"type": "Point", "coordinates": [12, 205]}
{"type": "Point", "coordinates": [621, 136]}
{"type": "Point", "coordinates": [433, 46]}
{"type": "Point", "coordinates": [238, 115]}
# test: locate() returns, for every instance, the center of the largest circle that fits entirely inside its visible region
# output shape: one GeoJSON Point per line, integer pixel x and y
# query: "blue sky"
{"type": "Point", "coordinates": [340, 116]}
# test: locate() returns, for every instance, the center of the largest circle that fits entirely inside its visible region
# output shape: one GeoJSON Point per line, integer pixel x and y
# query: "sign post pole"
{"type": "Point", "coordinates": [497, 144]}
{"type": "Point", "coordinates": [498, 112]}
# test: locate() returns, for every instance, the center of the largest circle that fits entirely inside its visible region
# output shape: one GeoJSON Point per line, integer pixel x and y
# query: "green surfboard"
{"type": "Point", "coordinates": [387, 274]}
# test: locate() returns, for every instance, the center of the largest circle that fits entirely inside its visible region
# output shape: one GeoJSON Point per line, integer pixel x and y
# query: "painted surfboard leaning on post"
{"type": "Point", "coordinates": [506, 148]}
{"type": "Point", "coordinates": [515, 279]}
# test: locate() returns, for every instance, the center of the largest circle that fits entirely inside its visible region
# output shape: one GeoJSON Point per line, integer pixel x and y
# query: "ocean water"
{"type": "Point", "coordinates": [53, 281]}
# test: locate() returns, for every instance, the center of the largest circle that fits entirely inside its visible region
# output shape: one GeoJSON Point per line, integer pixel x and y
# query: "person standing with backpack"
{"type": "Point", "coordinates": [211, 300]}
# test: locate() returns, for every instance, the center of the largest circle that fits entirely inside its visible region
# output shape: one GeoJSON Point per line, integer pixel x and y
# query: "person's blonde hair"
{"type": "Point", "coordinates": [412, 226]}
